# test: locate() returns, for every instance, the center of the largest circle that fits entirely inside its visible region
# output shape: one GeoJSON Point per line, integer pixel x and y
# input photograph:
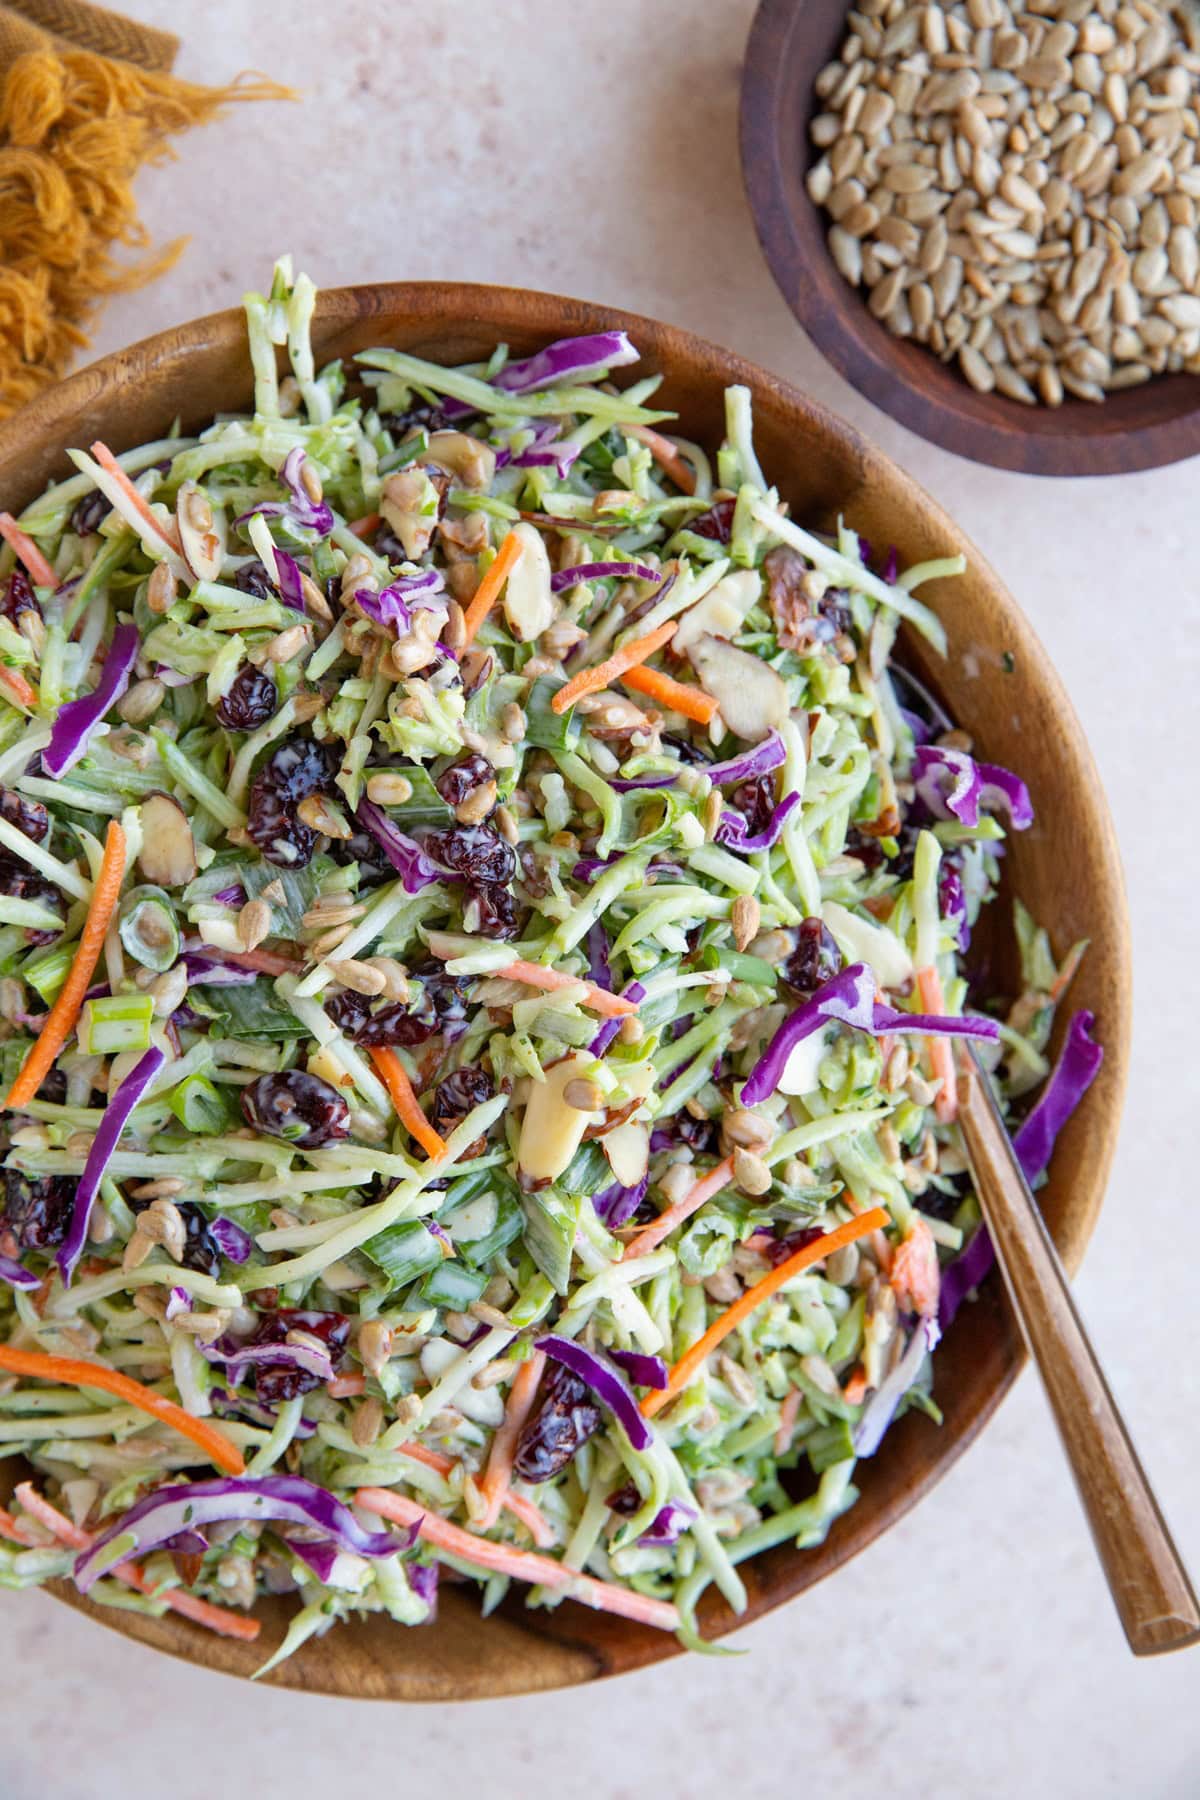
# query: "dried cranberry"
{"type": "Point", "coordinates": [301, 1108]}
{"type": "Point", "coordinates": [274, 1385]}
{"type": "Point", "coordinates": [250, 700]}
{"type": "Point", "coordinates": [23, 883]}
{"type": "Point", "coordinates": [834, 609]}
{"type": "Point", "coordinates": [456, 782]}
{"type": "Point", "coordinates": [349, 1011]}
{"type": "Point", "coordinates": [299, 767]}
{"type": "Point", "coordinates": [716, 523]}
{"type": "Point", "coordinates": [19, 597]}
{"type": "Point", "coordinates": [565, 1419]}
{"type": "Point", "coordinates": [428, 417]}
{"type": "Point", "coordinates": [756, 800]}
{"type": "Point", "coordinates": [477, 852]}
{"type": "Point", "coordinates": [37, 1209]}
{"type": "Point", "coordinates": [816, 958]}
{"type": "Point", "coordinates": [698, 1134]}
{"type": "Point", "coordinates": [90, 513]}
{"type": "Point", "coordinates": [864, 848]}
{"type": "Point", "coordinates": [201, 1251]}
{"type": "Point", "coordinates": [388, 545]}
{"type": "Point", "coordinates": [54, 1088]}
{"type": "Point", "coordinates": [783, 1247]}
{"type": "Point", "coordinates": [493, 912]}
{"type": "Point", "coordinates": [396, 1025]}
{"type": "Point", "coordinates": [252, 578]}
{"type": "Point", "coordinates": [28, 816]}
{"type": "Point", "coordinates": [363, 849]}
{"type": "Point", "coordinates": [625, 1501]}
{"type": "Point", "coordinates": [438, 1004]}
{"type": "Point", "coordinates": [455, 1097]}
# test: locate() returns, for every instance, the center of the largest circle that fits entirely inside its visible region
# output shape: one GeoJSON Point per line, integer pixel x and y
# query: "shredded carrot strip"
{"type": "Point", "coordinates": [405, 1102]}
{"type": "Point", "coordinates": [163, 534]}
{"type": "Point", "coordinates": [521, 1565]}
{"type": "Point", "coordinates": [692, 1360]}
{"type": "Point", "coordinates": [531, 1517]}
{"type": "Point", "coordinates": [855, 1389]}
{"type": "Point", "coordinates": [60, 1020]}
{"type": "Point", "coordinates": [75, 1373]}
{"type": "Point", "coordinates": [596, 999]}
{"type": "Point", "coordinates": [267, 962]}
{"type": "Point", "coordinates": [914, 1276]}
{"type": "Point", "coordinates": [704, 1189]}
{"type": "Point", "coordinates": [667, 456]}
{"type": "Point", "coordinates": [590, 681]}
{"type": "Point", "coordinates": [941, 1051]}
{"type": "Point", "coordinates": [18, 688]}
{"type": "Point", "coordinates": [787, 1421]}
{"type": "Point", "coordinates": [488, 591]}
{"type": "Point", "coordinates": [362, 528]}
{"type": "Point", "coordinates": [433, 1459]}
{"type": "Point", "coordinates": [189, 1606]}
{"type": "Point", "coordinates": [498, 1474]}
{"type": "Point", "coordinates": [1067, 973]}
{"type": "Point", "coordinates": [673, 694]}
{"type": "Point", "coordinates": [342, 1387]}
{"type": "Point", "coordinates": [13, 1530]}
{"type": "Point", "coordinates": [28, 552]}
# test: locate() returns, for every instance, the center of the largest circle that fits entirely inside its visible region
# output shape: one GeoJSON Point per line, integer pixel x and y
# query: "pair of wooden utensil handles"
{"type": "Point", "coordinates": [1146, 1576]}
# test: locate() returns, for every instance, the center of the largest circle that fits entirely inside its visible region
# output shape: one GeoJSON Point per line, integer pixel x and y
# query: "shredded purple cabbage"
{"type": "Point", "coordinates": [609, 1029]}
{"type": "Point", "coordinates": [598, 571]}
{"type": "Point", "coordinates": [15, 1275]}
{"type": "Point", "coordinates": [606, 1382]}
{"type": "Point", "coordinates": [393, 605]}
{"type": "Point", "coordinates": [764, 757]}
{"type": "Point", "coordinates": [642, 1370]}
{"type": "Point", "coordinates": [668, 1524]}
{"type": "Point", "coordinates": [291, 591]}
{"type": "Point", "coordinates": [404, 853]}
{"type": "Point", "coordinates": [734, 833]}
{"type": "Point", "coordinates": [78, 719]}
{"type": "Point", "coordinates": [954, 786]}
{"type": "Point", "coordinates": [205, 969]}
{"type": "Point", "coordinates": [616, 1205]}
{"type": "Point", "coordinates": [116, 1115]}
{"type": "Point", "coordinates": [849, 998]}
{"type": "Point", "coordinates": [231, 1240]}
{"type": "Point", "coordinates": [267, 1499]}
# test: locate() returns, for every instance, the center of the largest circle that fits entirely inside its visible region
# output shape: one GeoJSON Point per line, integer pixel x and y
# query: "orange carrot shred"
{"type": "Point", "coordinates": [404, 1100]}
{"type": "Point", "coordinates": [668, 457]}
{"type": "Point", "coordinates": [343, 1387]}
{"type": "Point", "coordinates": [653, 1234]}
{"type": "Point", "coordinates": [28, 552]}
{"type": "Point", "coordinates": [596, 999]}
{"type": "Point", "coordinates": [521, 1565]}
{"type": "Point", "coordinates": [18, 688]}
{"type": "Point", "coordinates": [76, 1373]}
{"type": "Point", "coordinates": [362, 528]}
{"type": "Point", "coordinates": [498, 1474]}
{"type": "Point", "coordinates": [488, 591]}
{"type": "Point", "coordinates": [61, 1018]}
{"type": "Point", "coordinates": [590, 681]}
{"type": "Point", "coordinates": [692, 1360]}
{"type": "Point", "coordinates": [941, 1051]}
{"type": "Point", "coordinates": [532, 1518]}
{"type": "Point", "coordinates": [188, 1606]}
{"type": "Point", "coordinates": [164, 533]}
{"type": "Point", "coordinates": [676, 695]}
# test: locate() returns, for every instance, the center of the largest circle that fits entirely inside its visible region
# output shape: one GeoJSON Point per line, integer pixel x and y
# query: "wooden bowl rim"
{"type": "Point", "coordinates": [904, 380]}
{"type": "Point", "coordinates": [493, 310]}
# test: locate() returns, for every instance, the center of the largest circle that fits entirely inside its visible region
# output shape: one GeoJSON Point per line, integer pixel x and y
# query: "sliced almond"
{"type": "Point", "coordinates": [528, 599]}
{"type": "Point", "coordinates": [752, 698]}
{"type": "Point", "coordinates": [722, 612]}
{"type": "Point", "coordinates": [168, 854]}
{"type": "Point", "coordinates": [552, 1131]}
{"type": "Point", "coordinates": [201, 532]}
{"type": "Point", "coordinates": [627, 1148]}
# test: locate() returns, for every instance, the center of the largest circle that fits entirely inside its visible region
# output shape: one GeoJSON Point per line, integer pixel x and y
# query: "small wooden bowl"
{"type": "Point", "coordinates": [1141, 428]}
{"type": "Point", "coordinates": [1066, 868]}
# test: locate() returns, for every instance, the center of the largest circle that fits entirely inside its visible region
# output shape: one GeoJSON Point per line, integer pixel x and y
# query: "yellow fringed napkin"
{"type": "Point", "coordinates": [87, 97]}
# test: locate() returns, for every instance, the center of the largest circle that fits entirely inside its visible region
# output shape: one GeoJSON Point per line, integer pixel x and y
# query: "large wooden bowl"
{"type": "Point", "coordinates": [1066, 868]}
{"type": "Point", "coordinates": [1141, 428]}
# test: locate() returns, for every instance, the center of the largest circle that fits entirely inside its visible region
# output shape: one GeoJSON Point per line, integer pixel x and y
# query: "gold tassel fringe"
{"type": "Point", "coordinates": [74, 129]}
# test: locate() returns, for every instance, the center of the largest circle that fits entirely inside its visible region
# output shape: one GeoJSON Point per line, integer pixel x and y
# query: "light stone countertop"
{"type": "Point", "coordinates": [591, 149]}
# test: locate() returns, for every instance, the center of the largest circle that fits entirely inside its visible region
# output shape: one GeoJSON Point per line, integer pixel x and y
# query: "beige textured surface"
{"type": "Point", "coordinates": [591, 148]}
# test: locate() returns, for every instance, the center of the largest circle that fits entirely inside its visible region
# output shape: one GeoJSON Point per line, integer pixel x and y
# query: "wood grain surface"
{"type": "Point", "coordinates": [1141, 428]}
{"type": "Point", "coordinates": [996, 680]}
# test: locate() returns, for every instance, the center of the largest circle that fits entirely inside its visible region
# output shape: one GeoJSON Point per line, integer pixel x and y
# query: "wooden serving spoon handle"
{"type": "Point", "coordinates": [1146, 1576]}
